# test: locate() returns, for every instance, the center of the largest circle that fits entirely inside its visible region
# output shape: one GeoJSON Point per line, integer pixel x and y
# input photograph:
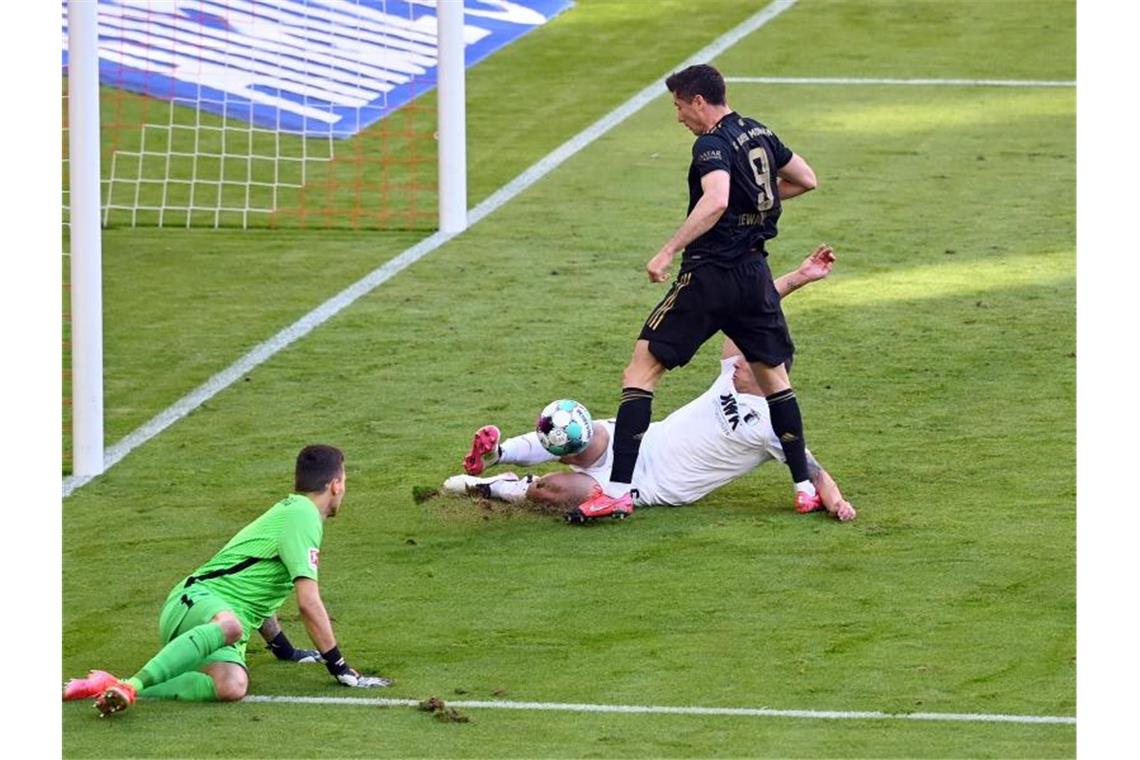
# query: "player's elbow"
{"type": "Point", "coordinates": [807, 180]}
{"type": "Point", "coordinates": [799, 172]}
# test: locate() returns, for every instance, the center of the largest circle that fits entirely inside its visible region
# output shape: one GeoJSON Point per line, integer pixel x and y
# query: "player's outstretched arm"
{"type": "Point", "coordinates": [704, 216]}
{"type": "Point", "coordinates": [795, 178]}
{"type": "Point", "coordinates": [829, 492]}
{"type": "Point", "coordinates": [282, 648]}
{"type": "Point", "coordinates": [317, 623]}
{"type": "Point", "coordinates": [815, 267]}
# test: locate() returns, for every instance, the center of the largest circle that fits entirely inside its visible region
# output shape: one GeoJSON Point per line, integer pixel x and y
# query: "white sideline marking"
{"type": "Point", "coordinates": [914, 82]}
{"type": "Point", "coordinates": [342, 300]}
{"type": "Point", "coordinates": [755, 712]}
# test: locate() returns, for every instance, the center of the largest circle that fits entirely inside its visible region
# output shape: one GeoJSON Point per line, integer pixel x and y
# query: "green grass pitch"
{"type": "Point", "coordinates": [936, 372]}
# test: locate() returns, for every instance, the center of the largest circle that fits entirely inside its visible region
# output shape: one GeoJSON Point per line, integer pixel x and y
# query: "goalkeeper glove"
{"type": "Point", "coordinates": [347, 676]}
{"type": "Point", "coordinates": [354, 679]}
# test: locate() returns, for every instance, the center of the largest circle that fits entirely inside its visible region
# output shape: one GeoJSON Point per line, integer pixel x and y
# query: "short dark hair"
{"type": "Point", "coordinates": [317, 465]}
{"type": "Point", "coordinates": [702, 79]}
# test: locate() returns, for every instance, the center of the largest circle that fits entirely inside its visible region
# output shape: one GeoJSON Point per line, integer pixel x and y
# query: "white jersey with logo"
{"type": "Point", "coordinates": [711, 441]}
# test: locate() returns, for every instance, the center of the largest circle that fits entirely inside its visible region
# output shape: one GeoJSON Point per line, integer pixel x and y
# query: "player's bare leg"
{"type": "Point", "coordinates": [231, 682]}
{"type": "Point", "coordinates": [557, 489]}
{"type": "Point", "coordinates": [561, 489]}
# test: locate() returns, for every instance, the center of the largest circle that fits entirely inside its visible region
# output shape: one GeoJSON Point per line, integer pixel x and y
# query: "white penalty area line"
{"type": "Point", "coordinates": [330, 308]}
{"type": "Point", "coordinates": [750, 712]}
{"type": "Point", "coordinates": [907, 82]}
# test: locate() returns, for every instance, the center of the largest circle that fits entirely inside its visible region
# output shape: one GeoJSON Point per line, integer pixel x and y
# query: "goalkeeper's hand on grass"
{"type": "Point", "coordinates": [347, 676]}
{"type": "Point", "coordinates": [357, 681]}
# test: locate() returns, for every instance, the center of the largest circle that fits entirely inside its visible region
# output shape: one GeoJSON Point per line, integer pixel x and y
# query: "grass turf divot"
{"type": "Point", "coordinates": [441, 712]}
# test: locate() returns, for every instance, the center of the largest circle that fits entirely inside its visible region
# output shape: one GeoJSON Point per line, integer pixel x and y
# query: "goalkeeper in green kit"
{"type": "Point", "coordinates": [207, 619]}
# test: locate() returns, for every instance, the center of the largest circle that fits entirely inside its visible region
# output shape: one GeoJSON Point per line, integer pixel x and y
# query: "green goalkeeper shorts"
{"type": "Point", "coordinates": [191, 607]}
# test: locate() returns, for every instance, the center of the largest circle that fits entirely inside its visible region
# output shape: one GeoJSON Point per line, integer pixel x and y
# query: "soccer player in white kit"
{"type": "Point", "coordinates": [716, 438]}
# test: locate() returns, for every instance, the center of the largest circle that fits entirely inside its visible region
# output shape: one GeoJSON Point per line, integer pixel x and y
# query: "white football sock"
{"type": "Point", "coordinates": [615, 489]}
{"type": "Point", "coordinates": [513, 491]}
{"type": "Point", "coordinates": [806, 486]}
{"type": "Point", "coordinates": [524, 450]}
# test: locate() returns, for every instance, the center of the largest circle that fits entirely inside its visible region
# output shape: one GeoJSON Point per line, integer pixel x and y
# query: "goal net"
{"type": "Point", "coordinates": [266, 113]}
{"type": "Point", "coordinates": [259, 113]}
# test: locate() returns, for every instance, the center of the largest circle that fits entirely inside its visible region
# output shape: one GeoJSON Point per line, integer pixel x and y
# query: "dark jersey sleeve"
{"type": "Point", "coordinates": [782, 153]}
{"type": "Point", "coordinates": [710, 153]}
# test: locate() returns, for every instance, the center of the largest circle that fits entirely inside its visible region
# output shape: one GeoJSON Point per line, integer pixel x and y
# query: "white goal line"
{"type": "Point", "coordinates": [908, 82]}
{"type": "Point", "coordinates": [753, 712]}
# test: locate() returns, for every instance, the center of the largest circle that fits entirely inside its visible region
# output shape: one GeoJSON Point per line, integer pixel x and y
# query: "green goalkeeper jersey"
{"type": "Point", "coordinates": [255, 571]}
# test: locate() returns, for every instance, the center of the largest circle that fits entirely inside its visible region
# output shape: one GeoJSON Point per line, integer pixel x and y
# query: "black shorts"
{"type": "Point", "coordinates": [741, 302]}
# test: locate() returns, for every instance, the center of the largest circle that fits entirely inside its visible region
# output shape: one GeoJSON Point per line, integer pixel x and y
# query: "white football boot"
{"type": "Point", "coordinates": [463, 485]}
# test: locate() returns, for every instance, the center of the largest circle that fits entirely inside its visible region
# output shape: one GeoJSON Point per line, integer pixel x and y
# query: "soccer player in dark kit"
{"type": "Point", "coordinates": [740, 174]}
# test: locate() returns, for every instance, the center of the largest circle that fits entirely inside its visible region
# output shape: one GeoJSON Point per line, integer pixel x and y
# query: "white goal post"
{"type": "Point", "coordinates": [452, 118]}
{"type": "Point", "coordinates": [86, 205]}
{"type": "Point", "coordinates": [86, 239]}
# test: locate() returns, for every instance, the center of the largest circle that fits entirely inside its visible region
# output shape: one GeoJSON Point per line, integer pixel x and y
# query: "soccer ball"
{"type": "Point", "coordinates": [564, 427]}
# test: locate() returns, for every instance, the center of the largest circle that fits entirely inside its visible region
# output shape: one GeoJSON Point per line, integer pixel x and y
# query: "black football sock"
{"type": "Point", "coordinates": [789, 427]}
{"type": "Point", "coordinates": [633, 417]}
